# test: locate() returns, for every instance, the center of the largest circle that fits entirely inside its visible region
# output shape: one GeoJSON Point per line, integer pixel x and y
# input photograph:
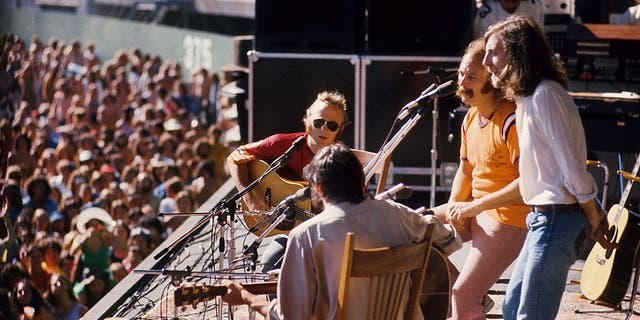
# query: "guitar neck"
{"type": "Point", "coordinates": [194, 294]}
{"type": "Point", "coordinates": [629, 185]}
{"type": "Point", "coordinates": [269, 287]}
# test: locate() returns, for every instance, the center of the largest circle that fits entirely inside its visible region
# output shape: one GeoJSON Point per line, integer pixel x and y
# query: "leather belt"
{"type": "Point", "coordinates": [555, 208]}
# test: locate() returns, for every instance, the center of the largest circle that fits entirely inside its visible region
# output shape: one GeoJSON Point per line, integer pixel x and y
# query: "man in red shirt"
{"type": "Point", "coordinates": [324, 121]}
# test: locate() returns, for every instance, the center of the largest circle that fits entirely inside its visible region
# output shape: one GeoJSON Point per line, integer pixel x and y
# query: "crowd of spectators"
{"type": "Point", "coordinates": [92, 151]}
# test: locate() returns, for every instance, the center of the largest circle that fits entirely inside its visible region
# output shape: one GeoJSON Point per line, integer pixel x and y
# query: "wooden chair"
{"type": "Point", "coordinates": [382, 170]}
{"type": "Point", "coordinates": [393, 272]}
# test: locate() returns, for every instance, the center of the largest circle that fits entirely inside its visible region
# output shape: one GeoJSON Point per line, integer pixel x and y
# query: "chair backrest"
{"type": "Point", "coordinates": [393, 273]}
{"type": "Point", "coordinates": [381, 170]}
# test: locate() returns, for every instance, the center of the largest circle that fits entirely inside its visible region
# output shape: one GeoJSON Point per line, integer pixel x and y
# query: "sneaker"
{"type": "Point", "coordinates": [487, 304]}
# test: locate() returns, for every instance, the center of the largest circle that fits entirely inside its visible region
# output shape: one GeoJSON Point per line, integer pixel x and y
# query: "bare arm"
{"type": "Point", "coordinates": [599, 224]}
{"type": "Point", "coordinates": [460, 193]}
{"type": "Point", "coordinates": [508, 195]}
{"type": "Point", "coordinates": [461, 186]}
{"type": "Point", "coordinates": [240, 175]}
{"type": "Point", "coordinates": [238, 295]}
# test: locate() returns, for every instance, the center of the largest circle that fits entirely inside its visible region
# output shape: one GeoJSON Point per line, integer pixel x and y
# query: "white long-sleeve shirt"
{"type": "Point", "coordinates": [553, 149]}
{"type": "Point", "coordinates": [310, 274]}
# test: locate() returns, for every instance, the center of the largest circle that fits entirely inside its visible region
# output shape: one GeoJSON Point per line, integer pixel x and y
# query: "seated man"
{"type": "Point", "coordinates": [309, 277]}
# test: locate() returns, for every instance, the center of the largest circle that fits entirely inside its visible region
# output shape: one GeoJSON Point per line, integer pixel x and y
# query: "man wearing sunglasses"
{"type": "Point", "coordinates": [324, 121]}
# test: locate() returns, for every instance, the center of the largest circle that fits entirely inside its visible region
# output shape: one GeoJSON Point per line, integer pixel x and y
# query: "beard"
{"type": "Point", "coordinates": [497, 79]}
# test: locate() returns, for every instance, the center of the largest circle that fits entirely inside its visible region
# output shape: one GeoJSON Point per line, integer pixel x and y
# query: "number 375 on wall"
{"type": "Point", "coordinates": [197, 52]}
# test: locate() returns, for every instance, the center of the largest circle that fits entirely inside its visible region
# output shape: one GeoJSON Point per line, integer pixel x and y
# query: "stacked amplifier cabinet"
{"type": "Point", "coordinates": [373, 27]}
{"type": "Point", "coordinates": [359, 48]}
{"type": "Point", "coordinates": [603, 52]}
{"type": "Point", "coordinates": [284, 85]}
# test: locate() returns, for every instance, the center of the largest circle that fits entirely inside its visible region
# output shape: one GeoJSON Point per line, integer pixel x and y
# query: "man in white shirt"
{"type": "Point", "coordinates": [309, 278]}
{"type": "Point", "coordinates": [494, 11]}
{"type": "Point", "coordinates": [631, 16]}
{"type": "Point", "coordinates": [553, 181]}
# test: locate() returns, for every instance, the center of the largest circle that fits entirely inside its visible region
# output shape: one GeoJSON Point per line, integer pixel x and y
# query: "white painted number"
{"type": "Point", "coordinates": [197, 52]}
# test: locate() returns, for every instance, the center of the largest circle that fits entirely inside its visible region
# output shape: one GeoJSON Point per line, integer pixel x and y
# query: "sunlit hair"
{"type": "Point", "coordinates": [529, 57]}
{"type": "Point", "coordinates": [338, 173]}
{"type": "Point", "coordinates": [333, 98]}
{"type": "Point", "coordinates": [475, 52]}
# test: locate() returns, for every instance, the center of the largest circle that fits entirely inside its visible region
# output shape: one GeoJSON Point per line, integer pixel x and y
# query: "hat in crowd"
{"type": "Point", "coordinates": [232, 89]}
{"type": "Point", "coordinates": [107, 169]}
{"type": "Point", "coordinates": [85, 155]}
{"type": "Point", "coordinates": [92, 213]}
{"type": "Point", "coordinates": [142, 232]}
{"type": "Point", "coordinates": [161, 161]}
{"type": "Point", "coordinates": [172, 124]}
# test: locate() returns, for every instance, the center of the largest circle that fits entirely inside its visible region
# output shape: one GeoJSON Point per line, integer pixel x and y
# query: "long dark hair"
{"type": "Point", "coordinates": [529, 56]}
{"type": "Point", "coordinates": [338, 173]}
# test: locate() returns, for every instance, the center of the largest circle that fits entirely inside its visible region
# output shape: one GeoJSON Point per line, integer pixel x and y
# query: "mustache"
{"type": "Point", "coordinates": [462, 92]}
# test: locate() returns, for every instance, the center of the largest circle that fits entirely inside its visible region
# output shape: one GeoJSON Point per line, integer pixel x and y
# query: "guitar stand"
{"type": "Point", "coordinates": [634, 289]}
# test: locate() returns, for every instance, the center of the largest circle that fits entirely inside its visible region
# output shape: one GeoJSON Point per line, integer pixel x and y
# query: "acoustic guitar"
{"type": "Point", "coordinates": [607, 272]}
{"type": "Point", "coordinates": [192, 294]}
{"type": "Point", "coordinates": [275, 188]}
{"type": "Point", "coordinates": [434, 299]}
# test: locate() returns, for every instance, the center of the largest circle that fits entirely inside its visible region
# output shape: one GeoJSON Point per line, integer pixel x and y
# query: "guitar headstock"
{"type": "Point", "coordinates": [196, 293]}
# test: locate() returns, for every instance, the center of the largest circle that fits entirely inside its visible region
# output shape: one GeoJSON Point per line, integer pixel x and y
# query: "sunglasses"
{"type": "Point", "coordinates": [331, 125]}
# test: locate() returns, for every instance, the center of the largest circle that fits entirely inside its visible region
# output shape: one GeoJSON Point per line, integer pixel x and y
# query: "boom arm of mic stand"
{"type": "Point", "coordinates": [283, 213]}
{"type": "Point", "coordinates": [391, 145]}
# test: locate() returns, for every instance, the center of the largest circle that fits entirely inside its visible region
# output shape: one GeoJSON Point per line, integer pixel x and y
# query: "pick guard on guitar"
{"type": "Point", "coordinates": [280, 188]}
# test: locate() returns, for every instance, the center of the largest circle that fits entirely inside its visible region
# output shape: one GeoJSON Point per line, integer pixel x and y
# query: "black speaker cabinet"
{"type": "Point", "coordinates": [331, 26]}
{"type": "Point", "coordinates": [283, 86]}
{"type": "Point", "coordinates": [387, 90]}
{"type": "Point", "coordinates": [419, 27]}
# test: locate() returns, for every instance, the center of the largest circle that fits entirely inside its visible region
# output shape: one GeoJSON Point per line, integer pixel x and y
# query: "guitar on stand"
{"type": "Point", "coordinates": [607, 272]}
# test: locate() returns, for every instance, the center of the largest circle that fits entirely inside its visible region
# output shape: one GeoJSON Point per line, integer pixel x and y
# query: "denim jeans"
{"type": "Point", "coordinates": [540, 275]}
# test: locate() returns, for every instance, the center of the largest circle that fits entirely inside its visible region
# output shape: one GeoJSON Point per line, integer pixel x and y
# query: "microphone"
{"type": "Point", "coordinates": [441, 91]}
{"type": "Point", "coordinates": [429, 70]}
{"type": "Point", "coordinates": [295, 145]}
{"type": "Point", "coordinates": [429, 89]}
{"type": "Point", "coordinates": [301, 194]}
{"type": "Point", "coordinates": [398, 191]}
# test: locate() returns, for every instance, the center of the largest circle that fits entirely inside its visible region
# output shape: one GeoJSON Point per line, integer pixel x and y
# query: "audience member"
{"type": "Point", "coordinates": [631, 16]}
{"type": "Point", "coordinates": [493, 11]}
{"type": "Point", "coordinates": [80, 132]}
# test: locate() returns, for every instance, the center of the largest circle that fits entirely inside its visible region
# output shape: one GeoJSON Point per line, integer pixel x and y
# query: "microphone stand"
{"type": "Point", "coordinates": [226, 208]}
{"type": "Point", "coordinates": [392, 144]}
{"type": "Point", "coordinates": [434, 150]}
{"type": "Point", "coordinates": [284, 211]}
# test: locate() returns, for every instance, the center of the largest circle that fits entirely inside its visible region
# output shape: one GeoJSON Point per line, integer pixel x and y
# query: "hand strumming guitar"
{"type": "Point", "coordinates": [255, 202]}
